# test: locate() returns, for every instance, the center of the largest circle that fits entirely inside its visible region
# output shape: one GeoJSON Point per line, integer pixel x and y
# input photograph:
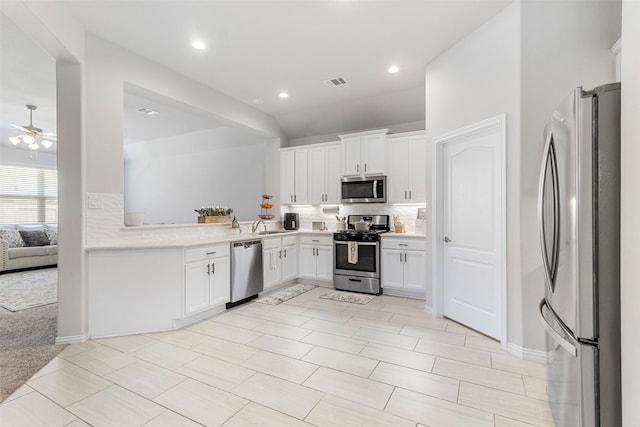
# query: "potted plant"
{"type": "Point", "coordinates": [214, 214]}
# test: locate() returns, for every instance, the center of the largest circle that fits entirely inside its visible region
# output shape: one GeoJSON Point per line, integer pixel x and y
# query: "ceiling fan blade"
{"type": "Point", "coordinates": [48, 135]}
{"type": "Point", "coordinates": [23, 129]}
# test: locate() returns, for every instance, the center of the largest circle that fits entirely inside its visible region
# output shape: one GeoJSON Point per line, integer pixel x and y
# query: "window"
{"type": "Point", "coordinates": [28, 195]}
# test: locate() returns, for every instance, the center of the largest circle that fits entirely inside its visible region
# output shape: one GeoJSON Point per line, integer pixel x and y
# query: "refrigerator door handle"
{"type": "Point", "coordinates": [549, 267]}
{"type": "Point", "coordinates": [557, 337]}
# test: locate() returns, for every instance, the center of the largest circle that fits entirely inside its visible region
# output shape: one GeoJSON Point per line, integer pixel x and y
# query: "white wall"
{"type": "Point", "coordinates": [630, 245]}
{"type": "Point", "coordinates": [572, 50]}
{"type": "Point", "coordinates": [22, 157]}
{"type": "Point", "coordinates": [170, 177]}
{"type": "Point", "coordinates": [476, 79]}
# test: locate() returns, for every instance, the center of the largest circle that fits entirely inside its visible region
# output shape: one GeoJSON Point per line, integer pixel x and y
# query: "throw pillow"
{"type": "Point", "coordinates": [13, 237]}
{"type": "Point", "coordinates": [53, 236]}
{"type": "Point", "coordinates": [34, 238]}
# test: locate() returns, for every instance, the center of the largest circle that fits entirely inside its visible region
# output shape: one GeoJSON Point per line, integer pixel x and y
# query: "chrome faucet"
{"type": "Point", "coordinates": [256, 224]}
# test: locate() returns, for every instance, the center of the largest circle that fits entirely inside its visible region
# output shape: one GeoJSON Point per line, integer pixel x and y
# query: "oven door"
{"type": "Point", "coordinates": [368, 260]}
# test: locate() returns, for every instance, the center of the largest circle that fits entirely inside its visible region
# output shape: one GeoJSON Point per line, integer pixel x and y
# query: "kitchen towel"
{"type": "Point", "coordinates": [352, 256]}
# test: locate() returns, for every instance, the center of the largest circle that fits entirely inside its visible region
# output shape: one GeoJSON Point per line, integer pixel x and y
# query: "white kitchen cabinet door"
{"type": "Point", "coordinates": [333, 174]}
{"type": "Point", "coordinates": [392, 271]}
{"type": "Point", "coordinates": [417, 170]}
{"type": "Point", "coordinates": [220, 281]}
{"type": "Point", "coordinates": [196, 295]}
{"type": "Point", "coordinates": [374, 154]}
{"type": "Point", "coordinates": [289, 263]}
{"type": "Point", "coordinates": [271, 267]}
{"type": "Point", "coordinates": [301, 182]}
{"type": "Point", "coordinates": [351, 156]}
{"type": "Point", "coordinates": [308, 261]}
{"type": "Point", "coordinates": [324, 262]}
{"type": "Point", "coordinates": [287, 177]}
{"type": "Point", "coordinates": [398, 182]}
{"type": "Point", "coordinates": [415, 270]}
{"type": "Point", "coordinates": [316, 176]}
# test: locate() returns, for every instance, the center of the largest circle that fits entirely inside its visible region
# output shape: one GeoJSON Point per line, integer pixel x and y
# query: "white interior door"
{"type": "Point", "coordinates": [472, 230]}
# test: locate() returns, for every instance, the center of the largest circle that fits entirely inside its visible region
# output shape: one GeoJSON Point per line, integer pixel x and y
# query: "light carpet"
{"type": "Point", "coordinates": [348, 297]}
{"type": "Point", "coordinates": [28, 289]}
{"type": "Point", "coordinates": [287, 294]}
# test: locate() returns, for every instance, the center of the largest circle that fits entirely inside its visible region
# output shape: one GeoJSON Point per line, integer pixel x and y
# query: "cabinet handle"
{"type": "Point", "coordinates": [400, 256]}
{"type": "Point", "coordinates": [211, 253]}
{"type": "Point", "coordinates": [315, 240]}
{"type": "Point", "coordinates": [405, 257]}
{"type": "Point", "coordinates": [405, 195]}
{"type": "Point", "coordinates": [409, 194]}
{"type": "Point", "coordinates": [213, 268]}
{"type": "Point", "coordinates": [357, 168]}
{"type": "Point", "coordinates": [208, 268]}
{"type": "Point", "coordinates": [403, 244]}
{"type": "Point", "coordinates": [280, 254]}
{"type": "Point", "coordinates": [295, 198]}
{"type": "Point", "coordinates": [365, 167]}
{"type": "Point", "coordinates": [285, 253]}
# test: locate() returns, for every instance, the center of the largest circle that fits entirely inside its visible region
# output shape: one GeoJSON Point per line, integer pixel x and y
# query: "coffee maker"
{"type": "Point", "coordinates": [291, 221]}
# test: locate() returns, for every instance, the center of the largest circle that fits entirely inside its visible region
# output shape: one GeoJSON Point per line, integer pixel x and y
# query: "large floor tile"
{"type": "Point", "coordinates": [225, 350]}
{"type": "Point", "coordinates": [363, 313]}
{"type": "Point", "coordinates": [200, 402]}
{"type": "Point", "coordinates": [284, 396]}
{"type": "Point", "coordinates": [56, 364]}
{"type": "Point", "coordinates": [283, 331]}
{"type": "Point", "coordinates": [102, 360]}
{"type": "Point", "coordinates": [508, 422]}
{"type": "Point", "coordinates": [166, 355]}
{"type": "Point", "coordinates": [341, 361]}
{"type": "Point", "coordinates": [127, 344]}
{"type": "Point", "coordinates": [381, 325]}
{"type": "Point", "coordinates": [19, 392]}
{"type": "Point", "coordinates": [233, 333]}
{"type": "Point", "coordinates": [254, 415]}
{"type": "Point", "coordinates": [510, 405]}
{"type": "Point", "coordinates": [348, 345]}
{"type": "Point", "coordinates": [78, 348]}
{"type": "Point", "coordinates": [433, 335]}
{"type": "Point", "coordinates": [412, 379]}
{"type": "Point", "coordinates": [239, 320]}
{"type": "Point", "coordinates": [350, 387]}
{"type": "Point", "coordinates": [332, 411]}
{"type": "Point", "coordinates": [435, 412]}
{"type": "Point", "coordinates": [284, 367]}
{"type": "Point", "coordinates": [457, 328]}
{"type": "Point", "coordinates": [423, 321]}
{"type": "Point", "coordinates": [507, 362]}
{"type": "Point", "coordinates": [145, 379]}
{"type": "Point", "coordinates": [325, 313]}
{"type": "Point", "coordinates": [33, 410]}
{"type": "Point", "coordinates": [398, 356]}
{"type": "Point", "coordinates": [482, 343]}
{"type": "Point", "coordinates": [215, 372]}
{"type": "Point", "coordinates": [489, 377]}
{"type": "Point", "coordinates": [182, 338]}
{"type": "Point", "coordinates": [281, 346]}
{"type": "Point", "coordinates": [462, 354]}
{"type": "Point", "coordinates": [285, 318]}
{"type": "Point", "coordinates": [69, 385]}
{"type": "Point", "coordinates": [535, 387]}
{"type": "Point", "coordinates": [116, 406]}
{"type": "Point", "coordinates": [386, 338]}
{"type": "Point", "coordinates": [330, 327]}
{"type": "Point", "coordinates": [171, 419]}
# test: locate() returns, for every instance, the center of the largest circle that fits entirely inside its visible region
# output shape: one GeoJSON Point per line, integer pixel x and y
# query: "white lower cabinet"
{"type": "Point", "coordinates": [207, 278]}
{"type": "Point", "coordinates": [279, 261]}
{"type": "Point", "coordinates": [316, 257]}
{"type": "Point", "coordinates": [404, 266]}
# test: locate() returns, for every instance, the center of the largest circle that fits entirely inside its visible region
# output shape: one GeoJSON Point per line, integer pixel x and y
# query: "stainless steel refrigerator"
{"type": "Point", "coordinates": [579, 221]}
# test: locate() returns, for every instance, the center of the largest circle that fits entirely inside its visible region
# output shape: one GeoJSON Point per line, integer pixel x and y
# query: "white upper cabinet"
{"type": "Point", "coordinates": [293, 177]}
{"type": "Point", "coordinates": [364, 153]}
{"type": "Point", "coordinates": [407, 169]}
{"type": "Point", "coordinates": [324, 175]}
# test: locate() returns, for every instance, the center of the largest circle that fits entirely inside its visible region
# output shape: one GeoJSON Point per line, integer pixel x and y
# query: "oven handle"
{"type": "Point", "coordinates": [359, 243]}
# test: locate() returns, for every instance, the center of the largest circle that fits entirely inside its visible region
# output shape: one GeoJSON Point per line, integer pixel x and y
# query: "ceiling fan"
{"type": "Point", "coordinates": [33, 137]}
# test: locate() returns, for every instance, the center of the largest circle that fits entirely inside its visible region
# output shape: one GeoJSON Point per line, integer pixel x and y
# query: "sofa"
{"type": "Point", "coordinates": [28, 245]}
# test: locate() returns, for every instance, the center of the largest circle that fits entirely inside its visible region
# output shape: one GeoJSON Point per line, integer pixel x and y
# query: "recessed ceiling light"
{"type": "Point", "coordinates": [283, 95]}
{"type": "Point", "coordinates": [198, 45]}
{"type": "Point", "coordinates": [393, 69]}
{"type": "Point", "coordinates": [147, 111]}
{"type": "Point", "coordinates": [258, 101]}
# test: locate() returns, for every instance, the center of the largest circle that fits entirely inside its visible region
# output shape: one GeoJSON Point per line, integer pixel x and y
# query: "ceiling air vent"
{"type": "Point", "coordinates": [335, 82]}
{"type": "Point", "coordinates": [147, 111]}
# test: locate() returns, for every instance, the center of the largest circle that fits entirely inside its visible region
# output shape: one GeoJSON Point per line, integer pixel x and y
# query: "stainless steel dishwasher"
{"type": "Point", "coordinates": [246, 271]}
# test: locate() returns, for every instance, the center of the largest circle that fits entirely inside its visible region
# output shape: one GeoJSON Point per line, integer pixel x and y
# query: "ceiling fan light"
{"type": "Point", "coordinates": [15, 140]}
{"type": "Point", "coordinates": [46, 143]}
{"type": "Point", "coordinates": [28, 139]}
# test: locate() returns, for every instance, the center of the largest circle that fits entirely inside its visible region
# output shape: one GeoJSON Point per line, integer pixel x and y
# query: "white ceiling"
{"type": "Point", "coordinates": [258, 48]}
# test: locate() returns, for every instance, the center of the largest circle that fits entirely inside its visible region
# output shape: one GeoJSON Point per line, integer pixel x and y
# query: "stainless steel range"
{"type": "Point", "coordinates": [356, 261]}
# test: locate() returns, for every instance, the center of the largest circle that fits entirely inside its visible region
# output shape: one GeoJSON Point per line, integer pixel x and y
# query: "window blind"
{"type": "Point", "coordinates": [28, 195]}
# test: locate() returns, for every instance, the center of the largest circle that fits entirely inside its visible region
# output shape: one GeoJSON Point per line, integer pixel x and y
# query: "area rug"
{"type": "Point", "coordinates": [28, 289]}
{"type": "Point", "coordinates": [348, 297]}
{"type": "Point", "coordinates": [287, 294]}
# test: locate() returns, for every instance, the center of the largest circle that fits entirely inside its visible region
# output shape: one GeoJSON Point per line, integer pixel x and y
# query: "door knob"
{"type": "Point", "coordinates": [446, 239]}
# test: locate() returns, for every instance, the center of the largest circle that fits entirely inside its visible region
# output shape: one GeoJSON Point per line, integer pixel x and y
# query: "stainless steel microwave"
{"type": "Point", "coordinates": [364, 189]}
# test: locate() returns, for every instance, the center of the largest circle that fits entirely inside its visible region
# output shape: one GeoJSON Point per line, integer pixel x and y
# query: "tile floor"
{"type": "Point", "coordinates": [308, 361]}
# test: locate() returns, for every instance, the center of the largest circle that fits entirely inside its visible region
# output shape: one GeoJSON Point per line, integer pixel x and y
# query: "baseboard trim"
{"type": "Point", "coordinates": [72, 339]}
{"type": "Point", "coordinates": [533, 355]}
{"type": "Point", "coordinates": [322, 283]}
